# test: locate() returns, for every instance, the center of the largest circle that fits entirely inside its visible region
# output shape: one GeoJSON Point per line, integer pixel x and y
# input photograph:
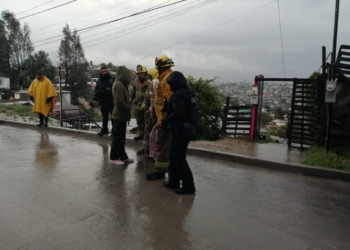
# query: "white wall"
{"type": "Point", "coordinates": [4, 82]}
{"type": "Point", "coordinates": [65, 97]}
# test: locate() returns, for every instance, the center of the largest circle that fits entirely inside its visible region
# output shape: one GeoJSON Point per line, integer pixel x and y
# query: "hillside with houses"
{"type": "Point", "coordinates": [276, 95]}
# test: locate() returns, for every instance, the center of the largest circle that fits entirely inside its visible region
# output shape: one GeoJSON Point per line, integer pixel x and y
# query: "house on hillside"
{"type": "Point", "coordinates": [4, 81]}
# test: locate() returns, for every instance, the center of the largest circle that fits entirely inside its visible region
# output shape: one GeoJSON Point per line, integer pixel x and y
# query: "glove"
{"type": "Point", "coordinates": [31, 98]}
{"type": "Point", "coordinates": [48, 100]}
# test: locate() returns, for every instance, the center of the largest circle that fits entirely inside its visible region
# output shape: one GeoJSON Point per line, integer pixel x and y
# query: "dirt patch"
{"type": "Point", "coordinates": [225, 144]}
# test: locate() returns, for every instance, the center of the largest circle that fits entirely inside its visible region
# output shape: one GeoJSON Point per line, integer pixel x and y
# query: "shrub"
{"type": "Point", "coordinates": [209, 108]}
{"type": "Point", "coordinates": [338, 158]}
{"type": "Point", "coordinates": [280, 131]}
{"type": "Point", "coordinates": [18, 109]}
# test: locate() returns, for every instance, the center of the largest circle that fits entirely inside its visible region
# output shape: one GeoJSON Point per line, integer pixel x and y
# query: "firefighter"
{"type": "Point", "coordinates": [162, 95]}
{"type": "Point", "coordinates": [137, 92]}
{"type": "Point", "coordinates": [180, 120]}
{"type": "Point", "coordinates": [150, 117]}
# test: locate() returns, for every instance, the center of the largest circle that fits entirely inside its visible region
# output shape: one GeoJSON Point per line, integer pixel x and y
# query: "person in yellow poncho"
{"type": "Point", "coordinates": [44, 97]}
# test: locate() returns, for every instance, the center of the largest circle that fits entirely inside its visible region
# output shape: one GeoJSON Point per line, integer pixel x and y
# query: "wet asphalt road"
{"type": "Point", "coordinates": [60, 192]}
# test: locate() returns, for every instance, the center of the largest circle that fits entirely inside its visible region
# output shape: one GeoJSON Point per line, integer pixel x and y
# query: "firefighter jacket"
{"type": "Point", "coordinates": [162, 94]}
{"type": "Point", "coordinates": [137, 92]}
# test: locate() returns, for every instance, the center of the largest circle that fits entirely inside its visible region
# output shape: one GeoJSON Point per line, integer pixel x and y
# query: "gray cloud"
{"type": "Point", "coordinates": [238, 50]}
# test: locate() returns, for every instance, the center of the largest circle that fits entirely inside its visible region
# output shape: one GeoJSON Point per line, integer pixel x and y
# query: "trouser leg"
{"type": "Point", "coordinates": [110, 110]}
{"type": "Point", "coordinates": [179, 168]}
{"type": "Point", "coordinates": [41, 118]}
{"type": "Point", "coordinates": [152, 142]}
{"type": "Point", "coordinates": [140, 119]}
{"type": "Point", "coordinates": [118, 142]}
{"type": "Point", "coordinates": [162, 150]}
{"type": "Point", "coordinates": [46, 118]}
{"type": "Point", "coordinates": [148, 128]}
{"type": "Point", "coordinates": [105, 114]}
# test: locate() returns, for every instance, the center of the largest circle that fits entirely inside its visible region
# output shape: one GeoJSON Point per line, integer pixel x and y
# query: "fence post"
{"type": "Point", "coordinates": [224, 117]}
{"type": "Point", "coordinates": [253, 117]}
{"type": "Point", "coordinates": [291, 121]}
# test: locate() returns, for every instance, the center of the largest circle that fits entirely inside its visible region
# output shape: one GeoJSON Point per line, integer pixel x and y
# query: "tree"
{"type": "Point", "coordinates": [209, 108]}
{"type": "Point", "coordinates": [71, 52]}
{"type": "Point", "coordinates": [20, 46]}
{"type": "Point", "coordinates": [40, 60]}
{"type": "Point", "coordinates": [267, 107]}
{"type": "Point", "coordinates": [72, 59]}
{"type": "Point", "coordinates": [265, 118]}
{"type": "Point", "coordinates": [4, 50]}
{"type": "Point", "coordinates": [279, 113]}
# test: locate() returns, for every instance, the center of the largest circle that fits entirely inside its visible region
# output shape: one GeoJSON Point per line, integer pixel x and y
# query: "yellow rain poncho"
{"type": "Point", "coordinates": [40, 90]}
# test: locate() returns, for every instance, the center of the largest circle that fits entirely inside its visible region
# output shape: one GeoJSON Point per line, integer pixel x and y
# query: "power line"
{"type": "Point", "coordinates": [112, 29]}
{"type": "Point", "coordinates": [144, 19]}
{"type": "Point", "coordinates": [109, 22]}
{"type": "Point", "coordinates": [48, 9]}
{"type": "Point", "coordinates": [205, 31]}
{"type": "Point", "coordinates": [230, 20]}
{"type": "Point", "coordinates": [135, 14]}
{"type": "Point", "coordinates": [34, 7]}
{"type": "Point", "coordinates": [155, 21]}
{"type": "Point", "coordinates": [86, 14]}
{"type": "Point", "coordinates": [279, 17]}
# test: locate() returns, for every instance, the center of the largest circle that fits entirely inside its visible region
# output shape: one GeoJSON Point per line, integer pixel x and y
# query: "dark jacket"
{"type": "Point", "coordinates": [103, 89]}
{"type": "Point", "coordinates": [121, 111]}
{"type": "Point", "coordinates": [181, 107]}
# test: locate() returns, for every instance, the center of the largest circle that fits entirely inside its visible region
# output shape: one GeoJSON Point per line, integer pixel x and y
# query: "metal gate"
{"type": "Point", "coordinates": [236, 120]}
{"type": "Point", "coordinates": [306, 116]}
{"type": "Point", "coordinates": [306, 113]}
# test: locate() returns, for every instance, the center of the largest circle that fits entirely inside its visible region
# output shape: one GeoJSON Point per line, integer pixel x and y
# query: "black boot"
{"type": "Point", "coordinates": [46, 119]}
{"type": "Point", "coordinates": [171, 185]}
{"type": "Point", "coordinates": [154, 176]}
{"type": "Point", "coordinates": [41, 119]}
{"type": "Point", "coordinates": [102, 132]}
{"type": "Point", "coordinates": [185, 190]}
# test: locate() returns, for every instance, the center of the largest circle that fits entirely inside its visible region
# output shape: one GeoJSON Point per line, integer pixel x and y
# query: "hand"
{"type": "Point", "coordinates": [95, 102]}
{"type": "Point", "coordinates": [48, 100]}
{"type": "Point", "coordinates": [147, 112]}
{"type": "Point", "coordinates": [158, 125]}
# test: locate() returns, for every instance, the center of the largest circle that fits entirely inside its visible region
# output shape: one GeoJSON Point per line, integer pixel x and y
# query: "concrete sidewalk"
{"type": "Point", "coordinates": [272, 156]}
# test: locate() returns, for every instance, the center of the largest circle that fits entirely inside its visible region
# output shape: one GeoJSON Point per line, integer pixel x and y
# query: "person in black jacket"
{"type": "Point", "coordinates": [180, 119]}
{"type": "Point", "coordinates": [103, 96]}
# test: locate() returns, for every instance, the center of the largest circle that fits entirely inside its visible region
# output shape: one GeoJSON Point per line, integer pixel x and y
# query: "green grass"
{"type": "Point", "coordinates": [268, 138]}
{"type": "Point", "coordinates": [337, 158]}
{"type": "Point", "coordinates": [17, 109]}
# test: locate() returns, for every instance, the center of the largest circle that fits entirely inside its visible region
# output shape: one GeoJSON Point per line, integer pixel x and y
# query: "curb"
{"type": "Point", "coordinates": [218, 155]}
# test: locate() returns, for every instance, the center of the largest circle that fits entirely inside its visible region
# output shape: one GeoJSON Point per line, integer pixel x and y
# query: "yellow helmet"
{"type": "Point", "coordinates": [164, 61]}
{"type": "Point", "coordinates": [141, 69]}
{"type": "Point", "coordinates": [153, 73]}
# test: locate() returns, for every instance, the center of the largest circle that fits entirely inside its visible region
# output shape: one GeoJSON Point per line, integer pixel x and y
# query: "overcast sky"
{"type": "Point", "coordinates": [223, 38]}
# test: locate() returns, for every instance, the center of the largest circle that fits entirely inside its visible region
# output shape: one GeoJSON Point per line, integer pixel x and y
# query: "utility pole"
{"type": "Point", "coordinates": [59, 73]}
{"type": "Point", "coordinates": [334, 52]}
